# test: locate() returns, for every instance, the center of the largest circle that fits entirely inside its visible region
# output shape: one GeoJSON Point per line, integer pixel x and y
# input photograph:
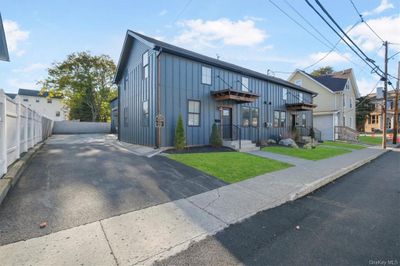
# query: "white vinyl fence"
{"type": "Point", "coordinates": [21, 128]}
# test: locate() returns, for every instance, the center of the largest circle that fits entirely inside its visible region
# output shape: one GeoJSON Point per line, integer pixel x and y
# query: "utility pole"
{"type": "Point", "coordinates": [396, 107]}
{"type": "Point", "coordinates": [385, 96]}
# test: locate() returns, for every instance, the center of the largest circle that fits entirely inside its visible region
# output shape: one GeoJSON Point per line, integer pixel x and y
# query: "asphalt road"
{"type": "Point", "coordinates": [82, 179]}
{"type": "Point", "coordinates": [353, 221]}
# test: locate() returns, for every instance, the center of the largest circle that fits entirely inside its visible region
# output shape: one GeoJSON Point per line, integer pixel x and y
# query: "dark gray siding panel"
{"type": "Point", "coordinates": [181, 81]}
{"type": "Point", "coordinates": [134, 90]}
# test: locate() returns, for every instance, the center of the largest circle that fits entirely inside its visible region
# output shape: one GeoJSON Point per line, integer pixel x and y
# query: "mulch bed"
{"type": "Point", "coordinates": [199, 149]}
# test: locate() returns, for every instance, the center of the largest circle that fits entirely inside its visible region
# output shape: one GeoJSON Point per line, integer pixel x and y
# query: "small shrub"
{"type": "Point", "coordinates": [179, 138]}
{"type": "Point", "coordinates": [215, 138]}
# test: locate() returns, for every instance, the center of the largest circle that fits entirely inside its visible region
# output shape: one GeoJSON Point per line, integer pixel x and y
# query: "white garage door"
{"type": "Point", "coordinates": [324, 123]}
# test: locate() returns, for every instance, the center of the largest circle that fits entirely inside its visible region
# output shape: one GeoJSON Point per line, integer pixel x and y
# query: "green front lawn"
{"type": "Point", "coordinates": [370, 140]}
{"type": "Point", "coordinates": [230, 167]}
{"type": "Point", "coordinates": [319, 153]}
{"type": "Point", "coordinates": [343, 144]}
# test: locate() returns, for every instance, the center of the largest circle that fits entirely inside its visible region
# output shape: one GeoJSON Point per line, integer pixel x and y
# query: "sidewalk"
{"type": "Point", "coordinates": [143, 236]}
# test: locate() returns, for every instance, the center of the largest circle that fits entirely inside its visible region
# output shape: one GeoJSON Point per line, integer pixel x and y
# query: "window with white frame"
{"type": "Point", "coordinates": [303, 120]}
{"type": "Point", "coordinates": [145, 114]}
{"type": "Point", "coordinates": [301, 97]}
{"type": "Point", "coordinates": [344, 100]}
{"type": "Point", "coordinates": [193, 113]}
{"type": "Point", "coordinates": [245, 84]}
{"type": "Point", "coordinates": [279, 118]}
{"type": "Point", "coordinates": [145, 60]}
{"type": "Point", "coordinates": [351, 102]}
{"type": "Point", "coordinates": [206, 75]}
{"type": "Point", "coordinates": [284, 94]}
{"type": "Point", "coordinates": [57, 113]}
{"type": "Point", "coordinates": [298, 82]}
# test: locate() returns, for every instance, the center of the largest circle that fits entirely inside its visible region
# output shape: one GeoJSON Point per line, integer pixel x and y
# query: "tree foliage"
{"type": "Point", "coordinates": [179, 139]}
{"type": "Point", "coordinates": [322, 71]}
{"type": "Point", "coordinates": [86, 83]}
{"type": "Point", "coordinates": [215, 138]}
{"type": "Point", "coordinates": [363, 109]}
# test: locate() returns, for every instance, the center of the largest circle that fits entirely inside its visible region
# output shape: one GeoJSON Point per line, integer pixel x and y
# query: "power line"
{"type": "Point", "coordinates": [374, 67]}
{"type": "Point", "coordinates": [182, 10]}
{"type": "Point", "coordinates": [365, 97]}
{"type": "Point", "coordinates": [362, 20]}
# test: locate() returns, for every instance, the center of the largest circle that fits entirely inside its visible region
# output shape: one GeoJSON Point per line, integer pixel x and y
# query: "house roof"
{"type": "Point", "coordinates": [334, 84]}
{"type": "Point", "coordinates": [172, 49]}
{"type": "Point", "coordinates": [3, 44]}
{"type": "Point", "coordinates": [34, 93]}
{"type": "Point", "coordinates": [11, 95]}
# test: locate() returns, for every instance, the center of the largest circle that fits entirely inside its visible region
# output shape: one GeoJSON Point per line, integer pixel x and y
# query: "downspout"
{"type": "Point", "coordinates": [158, 137]}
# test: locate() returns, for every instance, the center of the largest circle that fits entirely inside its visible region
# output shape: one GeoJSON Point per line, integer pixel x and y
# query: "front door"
{"type": "Point", "coordinates": [226, 123]}
{"type": "Point", "coordinates": [293, 121]}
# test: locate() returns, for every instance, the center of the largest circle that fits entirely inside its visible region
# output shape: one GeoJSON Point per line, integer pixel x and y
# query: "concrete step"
{"type": "Point", "coordinates": [246, 145]}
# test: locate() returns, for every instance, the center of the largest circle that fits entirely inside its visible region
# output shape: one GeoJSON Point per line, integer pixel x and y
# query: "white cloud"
{"type": "Point", "coordinates": [14, 36]}
{"type": "Point", "coordinates": [334, 58]}
{"type": "Point", "coordinates": [365, 86]}
{"type": "Point", "coordinates": [163, 12]}
{"type": "Point", "coordinates": [384, 5]}
{"type": "Point", "coordinates": [388, 28]}
{"type": "Point", "coordinates": [207, 33]}
{"type": "Point", "coordinates": [17, 83]}
{"type": "Point", "coordinates": [31, 68]}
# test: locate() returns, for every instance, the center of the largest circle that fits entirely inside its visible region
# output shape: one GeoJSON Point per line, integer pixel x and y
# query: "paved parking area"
{"type": "Point", "coordinates": [78, 179]}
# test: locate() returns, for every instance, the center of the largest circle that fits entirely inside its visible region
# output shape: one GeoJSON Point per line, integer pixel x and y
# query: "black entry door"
{"type": "Point", "coordinates": [227, 123]}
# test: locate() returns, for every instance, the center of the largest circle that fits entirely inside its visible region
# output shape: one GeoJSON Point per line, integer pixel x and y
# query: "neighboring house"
{"type": "Point", "coordinates": [158, 81]}
{"type": "Point", "coordinates": [3, 44]}
{"type": "Point", "coordinates": [336, 100]}
{"type": "Point", "coordinates": [374, 123]}
{"type": "Point", "coordinates": [52, 108]}
{"type": "Point", "coordinates": [114, 115]}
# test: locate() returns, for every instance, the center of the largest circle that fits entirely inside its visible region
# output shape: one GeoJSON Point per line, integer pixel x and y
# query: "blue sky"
{"type": "Point", "coordinates": [253, 34]}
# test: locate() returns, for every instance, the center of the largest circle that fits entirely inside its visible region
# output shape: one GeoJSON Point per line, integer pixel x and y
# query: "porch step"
{"type": "Point", "coordinates": [247, 145]}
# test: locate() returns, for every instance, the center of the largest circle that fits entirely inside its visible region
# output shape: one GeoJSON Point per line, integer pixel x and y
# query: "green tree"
{"type": "Point", "coordinates": [363, 108]}
{"type": "Point", "coordinates": [86, 83]}
{"type": "Point", "coordinates": [322, 71]}
{"type": "Point", "coordinates": [179, 139]}
{"type": "Point", "coordinates": [215, 138]}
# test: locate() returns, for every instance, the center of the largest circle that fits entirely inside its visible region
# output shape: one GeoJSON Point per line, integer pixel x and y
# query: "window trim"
{"type": "Point", "coordinates": [279, 119]}
{"type": "Point", "coordinates": [284, 94]}
{"type": "Point", "coordinates": [241, 116]}
{"type": "Point", "coordinates": [201, 74]}
{"type": "Point", "coordinates": [251, 117]}
{"type": "Point", "coordinates": [145, 66]}
{"type": "Point", "coordinates": [189, 113]}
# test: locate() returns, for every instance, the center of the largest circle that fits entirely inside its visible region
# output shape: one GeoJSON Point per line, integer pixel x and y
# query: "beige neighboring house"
{"type": "Point", "coordinates": [336, 100]}
{"type": "Point", "coordinates": [52, 108]}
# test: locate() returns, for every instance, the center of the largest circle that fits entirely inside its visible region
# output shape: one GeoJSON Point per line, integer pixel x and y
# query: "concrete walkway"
{"type": "Point", "coordinates": [150, 234]}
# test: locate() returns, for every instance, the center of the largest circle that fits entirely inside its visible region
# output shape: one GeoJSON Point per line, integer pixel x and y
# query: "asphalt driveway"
{"type": "Point", "coordinates": [74, 180]}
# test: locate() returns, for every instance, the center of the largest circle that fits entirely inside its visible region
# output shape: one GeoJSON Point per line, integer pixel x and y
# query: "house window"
{"type": "Point", "coordinates": [26, 100]}
{"type": "Point", "coordinates": [303, 120]}
{"type": "Point", "coordinates": [145, 114]}
{"type": "Point", "coordinates": [254, 117]}
{"type": "Point", "coordinates": [49, 100]}
{"type": "Point", "coordinates": [284, 94]}
{"type": "Point", "coordinates": [351, 102]}
{"type": "Point", "coordinates": [245, 84]}
{"type": "Point", "coordinates": [279, 118]}
{"type": "Point", "coordinates": [344, 100]}
{"type": "Point", "coordinates": [298, 82]}
{"type": "Point", "coordinates": [301, 97]}
{"type": "Point", "coordinates": [374, 119]}
{"type": "Point", "coordinates": [126, 82]}
{"type": "Point", "coordinates": [206, 75]}
{"type": "Point", "coordinates": [193, 113]}
{"type": "Point", "coordinates": [145, 59]}
{"type": "Point", "coordinates": [344, 121]}
{"type": "Point", "coordinates": [37, 100]}
{"type": "Point", "coordinates": [57, 113]}
{"type": "Point", "coordinates": [245, 116]}
{"type": "Point", "coordinates": [126, 117]}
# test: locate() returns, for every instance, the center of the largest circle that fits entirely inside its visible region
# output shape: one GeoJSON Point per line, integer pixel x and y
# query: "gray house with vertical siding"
{"type": "Point", "coordinates": [158, 81]}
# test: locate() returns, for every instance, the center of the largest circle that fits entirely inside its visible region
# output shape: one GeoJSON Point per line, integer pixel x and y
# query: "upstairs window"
{"type": "Point", "coordinates": [344, 100]}
{"type": "Point", "coordinates": [145, 114]}
{"type": "Point", "coordinates": [351, 102]}
{"type": "Point", "coordinates": [57, 113]}
{"type": "Point", "coordinates": [284, 94]}
{"type": "Point", "coordinates": [193, 113]}
{"type": "Point", "coordinates": [245, 84]}
{"type": "Point", "coordinates": [26, 100]}
{"type": "Point", "coordinates": [49, 100]}
{"type": "Point", "coordinates": [37, 100]}
{"type": "Point", "coordinates": [301, 99]}
{"type": "Point", "coordinates": [298, 82]}
{"type": "Point", "coordinates": [206, 75]}
{"type": "Point", "coordinates": [145, 60]}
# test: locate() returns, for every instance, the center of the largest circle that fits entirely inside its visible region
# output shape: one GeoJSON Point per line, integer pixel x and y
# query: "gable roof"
{"type": "Point", "coordinates": [334, 84]}
{"type": "Point", "coordinates": [3, 44]}
{"type": "Point", "coordinates": [11, 95]}
{"type": "Point", "coordinates": [172, 49]}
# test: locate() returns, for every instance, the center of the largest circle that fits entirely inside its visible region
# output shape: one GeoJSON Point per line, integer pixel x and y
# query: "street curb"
{"type": "Point", "coordinates": [14, 172]}
{"type": "Point", "coordinates": [332, 177]}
